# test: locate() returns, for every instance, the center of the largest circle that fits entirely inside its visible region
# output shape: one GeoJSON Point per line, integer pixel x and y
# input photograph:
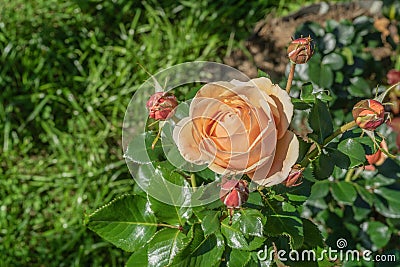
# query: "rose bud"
{"type": "Point", "coordinates": [161, 105]}
{"type": "Point", "coordinates": [295, 174]}
{"type": "Point", "coordinates": [234, 193]}
{"type": "Point", "coordinates": [369, 114]}
{"type": "Point", "coordinates": [393, 77]}
{"type": "Point", "coordinates": [378, 158]}
{"type": "Point", "coordinates": [301, 50]}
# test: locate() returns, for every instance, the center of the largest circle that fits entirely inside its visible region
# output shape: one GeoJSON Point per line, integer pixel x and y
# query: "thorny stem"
{"type": "Point", "coordinates": [315, 151]}
{"type": "Point", "coordinates": [290, 78]}
{"type": "Point", "coordinates": [342, 129]}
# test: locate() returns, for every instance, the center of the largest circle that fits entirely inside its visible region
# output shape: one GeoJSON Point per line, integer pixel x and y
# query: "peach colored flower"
{"type": "Point", "coordinates": [240, 128]}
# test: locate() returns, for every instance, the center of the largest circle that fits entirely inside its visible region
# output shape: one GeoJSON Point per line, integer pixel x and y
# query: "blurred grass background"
{"type": "Point", "coordinates": [67, 72]}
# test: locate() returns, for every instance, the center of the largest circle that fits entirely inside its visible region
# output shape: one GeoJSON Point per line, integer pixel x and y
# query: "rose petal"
{"type": "Point", "coordinates": [238, 128]}
{"type": "Point", "coordinates": [285, 157]}
{"type": "Point", "coordinates": [282, 102]}
{"type": "Point", "coordinates": [187, 146]}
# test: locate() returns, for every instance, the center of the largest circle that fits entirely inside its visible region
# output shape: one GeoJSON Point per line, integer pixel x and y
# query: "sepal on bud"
{"type": "Point", "coordinates": [301, 50]}
{"type": "Point", "coordinates": [369, 114]}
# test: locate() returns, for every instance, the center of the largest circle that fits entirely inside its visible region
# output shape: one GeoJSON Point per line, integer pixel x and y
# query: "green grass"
{"type": "Point", "coordinates": [67, 72]}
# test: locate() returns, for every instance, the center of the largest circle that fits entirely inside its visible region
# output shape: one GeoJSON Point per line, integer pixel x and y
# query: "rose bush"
{"type": "Point", "coordinates": [240, 128]}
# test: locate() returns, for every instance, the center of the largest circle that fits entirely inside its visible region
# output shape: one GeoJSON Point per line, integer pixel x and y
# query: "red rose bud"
{"type": "Point", "coordinates": [393, 77]}
{"type": "Point", "coordinates": [369, 114]}
{"type": "Point", "coordinates": [234, 193]}
{"type": "Point", "coordinates": [161, 105]}
{"type": "Point", "coordinates": [295, 174]}
{"type": "Point", "coordinates": [301, 50]}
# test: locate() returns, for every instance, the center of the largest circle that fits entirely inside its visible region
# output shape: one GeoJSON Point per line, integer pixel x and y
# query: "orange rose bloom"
{"type": "Point", "coordinates": [240, 128]}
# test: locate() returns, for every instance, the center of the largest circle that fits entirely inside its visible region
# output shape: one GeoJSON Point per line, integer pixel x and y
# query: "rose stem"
{"type": "Point", "coordinates": [349, 175]}
{"type": "Point", "coordinates": [193, 181]}
{"type": "Point", "coordinates": [339, 131]}
{"type": "Point", "coordinates": [290, 78]}
{"type": "Point", "coordinates": [168, 225]}
{"type": "Point", "coordinates": [156, 139]}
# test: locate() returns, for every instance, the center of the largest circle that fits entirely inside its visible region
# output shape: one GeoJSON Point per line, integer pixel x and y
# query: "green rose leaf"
{"type": "Point", "coordinates": [334, 61]}
{"type": "Point", "coordinates": [315, 28]}
{"type": "Point", "coordinates": [139, 258]}
{"type": "Point", "coordinates": [329, 43]}
{"type": "Point", "coordinates": [359, 87]}
{"type": "Point", "coordinates": [323, 166]}
{"type": "Point", "coordinates": [172, 214]}
{"type": "Point", "coordinates": [261, 73]}
{"type": "Point", "coordinates": [390, 195]}
{"type": "Point", "coordinates": [386, 208]}
{"type": "Point", "coordinates": [378, 233]}
{"type": "Point", "coordinates": [360, 213]}
{"type": "Point", "coordinates": [320, 121]}
{"type": "Point", "coordinates": [299, 194]}
{"type": "Point", "coordinates": [319, 190]}
{"type": "Point", "coordinates": [379, 181]}
{"type": "Point", "coordinates": [289, 225]}
{"type": "Point", "coordinates": [344, 192]}
{"type": "Point", "coordinates": [238, 258]}
{"type": "Point", "coordinates": [312, 235]}
{"type": "Point", "coordinates": [165, 245]}
{"type": "Point", "coordinates": [300, 104]}
{"type": "Point", "coordinates": [339, 77]}
{"type": "Point", "coordinates": [254, 201]}
{"type": "Point", "coordinates": [339, 158]}
{"type": "Point", "coordinates": [209, 220]}
{"type": "Point", "coordinates": [390, 207]}
{"type": "Point", "coordinates": [348, 55]}
{"type": "Point", "coordinates": [331, 25]}
{"type": "Point", "coordinates": [144, 174]}
{"type": "Point", "coordinates": [252, 222]}
{"type": "Point", "coordinates": [139, 149]}
{"type": "Point", "coordinates": [324, 95]}
{"type": "Point", "coordinates": [366, 195]}
{"type": "Point", "coordinates": [326, 77]}
{"type": "Point", "coordinates": [128, 222]}
{"type": "Point", "coordinates": [303, 150]}
{"type": "Point", "coordinates": [167, 185]}
{"type": "Point", "coordinates": [345, 33]}
{"type": "Point", "coordinates": [354, 150]}
{"type": "Point", "coordinates": [307, 93]}
{"type": "Point", "coordinates": [203, 251]}
{"type": "Point", "coordinates": [236, 238]}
